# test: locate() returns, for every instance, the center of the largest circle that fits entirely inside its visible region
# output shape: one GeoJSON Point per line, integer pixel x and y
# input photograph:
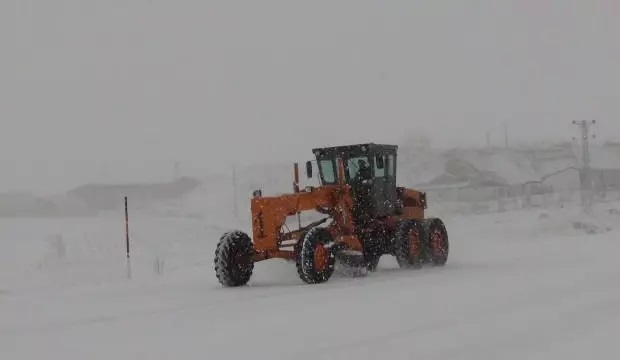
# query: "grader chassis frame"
{"type": "Point", "coordinates": [392, 221]}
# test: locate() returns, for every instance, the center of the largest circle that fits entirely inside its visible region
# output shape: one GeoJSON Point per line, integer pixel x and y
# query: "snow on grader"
{"type": "Point", "coordinates": [365, 216]}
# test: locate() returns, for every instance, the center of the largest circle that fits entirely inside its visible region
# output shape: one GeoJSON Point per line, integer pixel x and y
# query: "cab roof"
{"type": "Point", "coordinates": [354, 148]}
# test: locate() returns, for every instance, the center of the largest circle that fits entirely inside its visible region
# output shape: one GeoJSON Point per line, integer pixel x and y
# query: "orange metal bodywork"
{"type": "Point", "coordinates": [414, 203]}
{"type": "Point", "coordinates": [269, 215]}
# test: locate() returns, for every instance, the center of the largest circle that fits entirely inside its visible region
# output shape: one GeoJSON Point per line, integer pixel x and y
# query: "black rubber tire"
{"type": "Point", "coordinates": [401, 244]}
{"type": "Point", "coordinates": [305, 264]}
{"type": "Point", "coordinates": [437, 258]}
{"type": "Point", "coordinates": [233, 263]}
{"type": "Point", "coordinates": [297, 257]}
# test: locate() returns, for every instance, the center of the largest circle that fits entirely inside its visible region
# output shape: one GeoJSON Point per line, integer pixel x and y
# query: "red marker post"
{"type": "Point", "coordinates": [127, 239]}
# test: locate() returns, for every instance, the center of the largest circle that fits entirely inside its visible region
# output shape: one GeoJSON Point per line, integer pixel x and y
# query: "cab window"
{"type": "Point", "coordinates": [329, 171]}
{"type": "Point", "coordinates": [379, 173]}
{"type": "Point", "coordinates": [353, 167]}
{"type": "Point", "coordinates": [391, 165]}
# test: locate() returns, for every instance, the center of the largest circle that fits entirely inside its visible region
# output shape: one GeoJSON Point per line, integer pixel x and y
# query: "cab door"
{"type": "Point", "coordinates": [384, 184]}
{"type": "Point", "coordinates": [390, 186]}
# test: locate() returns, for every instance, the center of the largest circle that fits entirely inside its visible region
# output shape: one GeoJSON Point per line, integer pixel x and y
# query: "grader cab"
{"type": "Point", "coordinates": [365, 216]}
{"type": "Point", "coordinates": [374, 166]}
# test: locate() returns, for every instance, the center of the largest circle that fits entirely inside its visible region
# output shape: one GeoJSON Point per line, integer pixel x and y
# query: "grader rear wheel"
{"type": "Point", "coordinates": [438, 244]}
{"type": "Point", "coordinates": [408, 244]}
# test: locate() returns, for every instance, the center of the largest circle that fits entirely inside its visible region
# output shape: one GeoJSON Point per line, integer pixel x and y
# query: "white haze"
{"type": "Point", "coordinates": [117, 90]}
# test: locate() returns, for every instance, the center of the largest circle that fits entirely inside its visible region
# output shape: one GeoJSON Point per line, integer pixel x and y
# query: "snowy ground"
{"type": "Point", "coordinates": [518, 285]}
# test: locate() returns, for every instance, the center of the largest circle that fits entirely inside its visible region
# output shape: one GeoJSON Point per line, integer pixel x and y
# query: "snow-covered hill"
{"type": "Point", "coordinates": [223, 194]}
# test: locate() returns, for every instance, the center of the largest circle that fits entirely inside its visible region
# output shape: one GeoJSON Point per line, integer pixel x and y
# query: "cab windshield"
{"type": "Point", "coordinates": [353, 168]}
{"type": "Point", "coordinates": [329, 170]}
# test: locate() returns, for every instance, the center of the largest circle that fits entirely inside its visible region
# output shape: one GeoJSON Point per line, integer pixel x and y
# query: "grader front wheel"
{"type": "Point", "coordinates": [315, 261]}
{"type": "Point", "coordinates": [233, 259]}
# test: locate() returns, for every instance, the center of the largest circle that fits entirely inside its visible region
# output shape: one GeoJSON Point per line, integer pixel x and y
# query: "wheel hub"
{"type": "Point", "coordinates": [414, 243]}
{"type": "Point", "coordinates": [321, 258]}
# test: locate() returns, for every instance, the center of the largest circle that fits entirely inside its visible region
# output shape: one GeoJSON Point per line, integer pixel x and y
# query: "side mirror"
{"type": "Point", "coordinates": [379, 161]}
{"type": "Point", "coordinates": [309, 169]}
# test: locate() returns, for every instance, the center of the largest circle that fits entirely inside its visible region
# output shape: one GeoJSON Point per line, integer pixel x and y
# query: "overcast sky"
{"type": "Point", "coordinates": [209, 82]}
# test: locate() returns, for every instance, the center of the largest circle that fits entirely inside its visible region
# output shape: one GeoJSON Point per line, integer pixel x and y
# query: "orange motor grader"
{"type": "Point", "coordinates": [365, 215]}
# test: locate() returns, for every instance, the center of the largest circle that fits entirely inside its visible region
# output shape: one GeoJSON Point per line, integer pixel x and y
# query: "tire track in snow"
{"type": "Point", "coordinates": [555, 326]}
{"type": "Point", "coordinates": [383, 279]}
{"type": "Point", "coordinates": [516, 304]}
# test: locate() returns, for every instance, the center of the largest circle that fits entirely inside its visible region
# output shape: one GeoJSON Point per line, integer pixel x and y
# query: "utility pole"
{"type": "Point", "coordinates": [177, 170]}
{"type": "Point", "coordinates": [584, 175]}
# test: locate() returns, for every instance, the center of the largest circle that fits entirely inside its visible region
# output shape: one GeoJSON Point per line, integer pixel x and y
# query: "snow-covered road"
{"type": "Point", "coordinates": [516, 287]}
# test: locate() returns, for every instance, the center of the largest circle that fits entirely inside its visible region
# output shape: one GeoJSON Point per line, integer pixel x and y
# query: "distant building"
{"type": "Point", "coordinates": [104, 197]}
